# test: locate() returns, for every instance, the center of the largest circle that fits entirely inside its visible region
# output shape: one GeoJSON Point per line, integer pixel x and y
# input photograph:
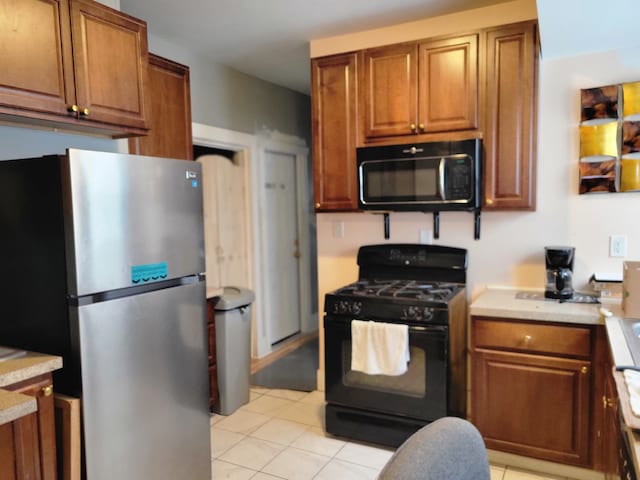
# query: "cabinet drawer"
{"type": "Point", "coordinates": [531, 337]}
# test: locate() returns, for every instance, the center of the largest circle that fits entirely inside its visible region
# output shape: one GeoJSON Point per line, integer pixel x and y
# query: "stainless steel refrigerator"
{"type": "Point", "coordinates": [102, 261]}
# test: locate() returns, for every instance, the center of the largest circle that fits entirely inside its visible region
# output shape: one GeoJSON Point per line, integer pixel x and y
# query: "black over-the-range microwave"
{"type": "Point", "coordinates": [427, 177]}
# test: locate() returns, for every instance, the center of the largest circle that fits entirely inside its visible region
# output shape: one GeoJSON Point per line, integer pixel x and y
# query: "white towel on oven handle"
{"type": "Point", "coordinates": [379, 348]}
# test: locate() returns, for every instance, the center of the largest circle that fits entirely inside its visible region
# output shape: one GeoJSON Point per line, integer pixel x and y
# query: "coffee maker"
{"type": "Point", "coordinates": [559, 263]}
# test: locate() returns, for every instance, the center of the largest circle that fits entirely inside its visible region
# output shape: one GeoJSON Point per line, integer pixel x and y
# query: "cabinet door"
{"type": "Point", "coordinates": [110, 55]}
{"type": "Point", "coordinates": [390, 91]}
{"type": "Point", "coordinates": [34, 45]}
{"type": "Point", "coordinates": [510, 117]}
{"type": "Point", "coordinates": [169, 112]}
{"type": "Point", "coordinates": [19, 451]}
{"type": "Point", "coordinates": [334, 123]}
{"type": "Point", "coordinates": [38, 429]}
{"type": "Point", "coordinates": [611, 435]}
{"type": "Point", "coordinates": [448, 84]}
{"type": "Point", "coordinates": [533, 405]}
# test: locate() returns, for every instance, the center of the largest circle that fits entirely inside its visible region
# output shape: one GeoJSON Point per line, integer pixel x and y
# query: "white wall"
{"type": "Point", "coordinates": [511, 247]}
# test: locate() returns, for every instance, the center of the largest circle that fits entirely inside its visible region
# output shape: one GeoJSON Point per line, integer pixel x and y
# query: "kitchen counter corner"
{"type": "Point", "coordinates": [27, 366]}
{"type": "Point", "coordinates": [503, 303]}
{"type": "Point", "coordinates": [15, 405]}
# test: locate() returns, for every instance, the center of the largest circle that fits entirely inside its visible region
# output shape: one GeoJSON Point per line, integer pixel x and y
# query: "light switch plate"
{"type": "Point", "coordinates": [618, 246]}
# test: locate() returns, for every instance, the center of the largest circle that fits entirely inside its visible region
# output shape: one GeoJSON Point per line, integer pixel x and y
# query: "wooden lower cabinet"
{"type": "Point", "coordinates": [28, 445]}
{"type": "Point", "coordinates": [534, 405]}
{"type": "Point", "coordinates": [537, 389]}
{"type": "Point", "coordinates": [611, 433]}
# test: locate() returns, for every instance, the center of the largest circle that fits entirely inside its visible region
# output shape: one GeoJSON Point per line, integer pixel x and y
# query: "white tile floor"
{"type": "Point", "coordinates": [279, 435]}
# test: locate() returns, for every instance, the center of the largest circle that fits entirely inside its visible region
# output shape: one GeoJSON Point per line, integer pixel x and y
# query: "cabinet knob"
{"type": "Point", "coordinates": [527, 339]}
{"type": "Point", "coordinates": [73, 109]}
{"type": "Point", "coordinates": [489, 201]}
{"type": "Point", "coordinates": [317, 204]}
{"type": "Point", "coordinates": [84, 112]}
{"type": "Point", "coordinates": [421, 127]}
{"type": "Point", "coordinates": [584, 370]}
{"type": "Point", "coordinates": [412, 127]}
{"type": "Point", "coordinates": [47, 391]}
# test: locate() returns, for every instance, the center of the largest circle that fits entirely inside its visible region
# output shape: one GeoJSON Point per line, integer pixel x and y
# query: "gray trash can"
{"type": "Point", "coordinates": [233, 348]}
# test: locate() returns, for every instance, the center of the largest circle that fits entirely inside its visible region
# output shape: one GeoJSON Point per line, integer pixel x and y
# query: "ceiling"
{"type": "Point", "coordinates": [269, 39]}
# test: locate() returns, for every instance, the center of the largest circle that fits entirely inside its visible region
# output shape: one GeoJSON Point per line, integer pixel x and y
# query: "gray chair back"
{"type": "Point", "coordinates": [448, 449]}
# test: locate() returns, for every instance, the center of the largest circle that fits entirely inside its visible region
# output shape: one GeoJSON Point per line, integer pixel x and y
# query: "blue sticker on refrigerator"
{"type": "Point", "coordinates": [150, 272]}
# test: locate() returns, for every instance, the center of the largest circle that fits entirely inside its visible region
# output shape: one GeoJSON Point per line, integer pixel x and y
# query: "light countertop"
{"type": "Point", "coordinates": [502, 303]}
{"type": "Point", "coordinates": [13, 370]}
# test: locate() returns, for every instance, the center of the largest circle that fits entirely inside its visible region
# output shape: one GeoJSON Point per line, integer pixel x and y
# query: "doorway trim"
{"type": "Point", "coordinates": [254, 148]}
{"type": "Point", "coordinates": [275, 142]}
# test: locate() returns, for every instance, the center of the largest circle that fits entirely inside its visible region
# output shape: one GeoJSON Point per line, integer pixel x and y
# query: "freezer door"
{"type": "Point", "coordinates": [145, 385]}
{"type": "Point", "coordinates": [130, 219]}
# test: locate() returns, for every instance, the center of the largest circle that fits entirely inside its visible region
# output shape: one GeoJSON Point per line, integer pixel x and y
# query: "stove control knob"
{"type": "Point", "coordinates": [356, 308]}
{"type": "Point", "coordinates": [412, 312]}
{"type": "Point", "coordinates": [428, 314]}
{"type": "Point", "coordinates": [343, 306]}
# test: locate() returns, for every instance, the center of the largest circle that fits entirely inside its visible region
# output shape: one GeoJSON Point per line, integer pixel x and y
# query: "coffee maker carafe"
{"type": "Point", "coordinates": [559, 263]}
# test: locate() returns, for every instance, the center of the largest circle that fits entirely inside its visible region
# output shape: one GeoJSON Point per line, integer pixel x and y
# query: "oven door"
{"type": "Point", "coordinates": [419, 393]}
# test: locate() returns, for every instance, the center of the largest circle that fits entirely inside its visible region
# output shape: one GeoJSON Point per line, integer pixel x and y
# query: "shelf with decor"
{"type": "Point", "coordinates": [610, 138]}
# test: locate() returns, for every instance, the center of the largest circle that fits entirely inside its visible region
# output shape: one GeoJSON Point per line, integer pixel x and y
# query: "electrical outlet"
{"type": "Point", "coordinates": [426, 237]}
{"type": "Point", "coordinates": [618, 246]}
{"type": "Point", "coordinates": [338, 229]}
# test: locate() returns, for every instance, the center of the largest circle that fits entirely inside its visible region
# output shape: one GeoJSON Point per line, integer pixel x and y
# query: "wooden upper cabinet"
{"type": "Point", "coordinates": [389, 90]}
{"type": "Point", "coordinates": [510, 117]}
{"type": "Point", "coordinates": [35, 40]}
{"type": "Point", "coordinates": [73, 63]}
{"type": "Point", "coordinates": [110, 56]}
{"type": "Point", "coordinates": [168, 112]}
{"type": "Point", "coordinates": [425, 87]}
{"type": "Point", "coordinates": [334, 125]}
{"type": "Point", "coordinates": [448, 87]}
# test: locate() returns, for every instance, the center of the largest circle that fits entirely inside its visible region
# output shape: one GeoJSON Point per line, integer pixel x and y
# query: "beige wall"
{"type": "Point", "coordinates": [510, 250]}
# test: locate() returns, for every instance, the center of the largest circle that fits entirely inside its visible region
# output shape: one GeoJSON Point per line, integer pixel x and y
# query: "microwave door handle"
{"type": "Point", "coordinates": [441, 183]}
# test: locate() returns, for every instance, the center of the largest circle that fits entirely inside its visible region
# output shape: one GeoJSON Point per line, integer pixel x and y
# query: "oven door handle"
{"type": "Point", "coordinates": [432, 328]}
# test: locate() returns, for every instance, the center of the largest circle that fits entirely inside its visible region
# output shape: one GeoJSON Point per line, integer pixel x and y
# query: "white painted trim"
{"type": "Point", "coordinates": [254, 148]}
{"type": "Point", "coordinates": [242, 142]}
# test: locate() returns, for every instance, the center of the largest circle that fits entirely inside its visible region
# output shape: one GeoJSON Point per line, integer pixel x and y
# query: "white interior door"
{"type": "Point", "coordinates": [281, 244]}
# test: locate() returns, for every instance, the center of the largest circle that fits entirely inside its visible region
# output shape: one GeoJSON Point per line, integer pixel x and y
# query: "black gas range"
{"type": "Point", "coordinates": [422, 286]}
{"type": "Point", "coordinates": [394, 300]}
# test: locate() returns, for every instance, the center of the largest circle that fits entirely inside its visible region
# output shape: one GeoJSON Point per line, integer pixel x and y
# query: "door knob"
{"type": "Point", "coordinates": [296, 254]}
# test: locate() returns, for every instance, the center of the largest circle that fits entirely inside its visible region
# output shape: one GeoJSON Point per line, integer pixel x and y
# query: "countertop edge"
{"type": "Point", "coordinates": [28, 366]}
{"type": "Point", "coordinates": [15, 405]}
{"type": "Point", "coordinates": [501, 302]}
